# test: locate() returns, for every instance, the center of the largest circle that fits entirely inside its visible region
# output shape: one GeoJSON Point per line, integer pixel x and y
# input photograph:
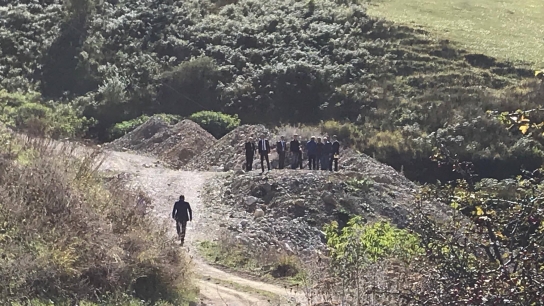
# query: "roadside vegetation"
{"type": "Point", "coordinates": [486, 250]}
{"type": "Point", "coordinates": [67, 237]}
{"type": "Point", "coordinates": [451, 98]}
{"type": "Point", "coordinates": [271, 264]}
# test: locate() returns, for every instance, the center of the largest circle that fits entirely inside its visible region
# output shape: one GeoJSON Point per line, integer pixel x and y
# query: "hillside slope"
{"type": "Point", "coordinates": [509, 29]}
{"type": "Point", "coordinates": [270, 62]}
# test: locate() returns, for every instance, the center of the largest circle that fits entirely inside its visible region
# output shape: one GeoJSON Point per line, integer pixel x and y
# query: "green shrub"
{"type": "Point", "coordinates": [218, 124]}
{"type": "Point", "coordinates": [303, 131]}
{"type": "Point", "coordinates": [358, 245]}
{"type": "Point", "coordinates": [347, 133]}
{"type": "Point", "coordinates": [28, 113]}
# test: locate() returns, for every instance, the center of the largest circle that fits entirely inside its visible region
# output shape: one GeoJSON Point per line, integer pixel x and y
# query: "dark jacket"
{"type": "Point", "coordinates": [280, 148]}
{"type": "Point", "coordinates": [327, 148]}
{"type": "Point", "coordinates": [294, 146]}
{"type": "Point", "coordinates": [336, 147]}
{"type": "Point", "coordinates": [250, 148]}
{"type": "Point", "coordinates": [180, 211]}
{"type": "Point", "coordinates": [319, 148]}
{"type": "Point", "coordinates": [262, 148]}
{"type": "Point", "coordinates": [311, 146]}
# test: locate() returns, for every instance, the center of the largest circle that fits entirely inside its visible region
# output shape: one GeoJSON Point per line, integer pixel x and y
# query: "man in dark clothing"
{"type": "Point", "coordinates": [264, 150]}
{"type": "Point", "coordinates": [294, 148]}
{"type": "Point", "coordinates": [250, 153]}
{"type": "Point", "coordinates": [335, 153]}
{"type": "Point", "coordinates": [281, 147]}
{"type": "Point", "coordinates": [325, 158]}
{"type": "Point", "coordinates": [319, 152]}
{"type": "Point", "coordinates": [182, 213]}
{"type": "Point", "coordinates": [311, 147]}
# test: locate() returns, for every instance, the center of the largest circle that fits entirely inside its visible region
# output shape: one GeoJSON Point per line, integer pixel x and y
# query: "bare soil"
{"type": "Point", "coordinates": [164, 186]}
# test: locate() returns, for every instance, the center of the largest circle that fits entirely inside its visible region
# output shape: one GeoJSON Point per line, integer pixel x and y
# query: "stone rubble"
{"type": "Point", "coordinates": [174, 144]}
{"type": "Point", "coordinates": [286, 209]}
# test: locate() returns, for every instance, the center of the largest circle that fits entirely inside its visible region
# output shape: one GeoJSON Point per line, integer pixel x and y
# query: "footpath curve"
{"type": "Point", "coordinates": [164, 186]}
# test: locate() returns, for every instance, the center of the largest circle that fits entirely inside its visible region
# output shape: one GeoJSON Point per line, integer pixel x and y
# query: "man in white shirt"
{"type": "Point", "coordinates": [264, 150]}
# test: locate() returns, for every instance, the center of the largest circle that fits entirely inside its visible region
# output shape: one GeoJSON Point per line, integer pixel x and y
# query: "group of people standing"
{"type": "Point", "coordinates": [322, 155]}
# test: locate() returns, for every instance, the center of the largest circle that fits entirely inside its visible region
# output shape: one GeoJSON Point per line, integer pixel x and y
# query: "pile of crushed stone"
{"type": "Point", "coordinates": [174, 144]}
{"type": "Point", "coordinates": [227, 153]}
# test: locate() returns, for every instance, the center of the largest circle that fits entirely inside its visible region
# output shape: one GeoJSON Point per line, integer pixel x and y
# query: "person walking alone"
{"type": "Point", "coordinates": [264, 150]}
{"type": "Point", "coordinates": [311, 147]}
{"type": "Point", "coordinates": [281, 147]}
{"type": "Point", "coordinates": [335, 154]}
{"type": "Point", "coordinates": [182, 213]}
{"type": "Point", "coordinates": [250, 153]}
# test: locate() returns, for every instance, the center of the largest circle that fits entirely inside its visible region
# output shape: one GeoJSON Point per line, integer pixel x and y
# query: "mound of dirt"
{"type": "Point", "coordinates": [352, 160]}
{"type": "Point", "coordinates": [228, 152]}
{"type": "Point", "coordinates": [142, 139]}
{"type": "Point", "coordinates": [187, 139]}
{"type": "Point", "coordinates": [297, 203]}
{"type": "Point", "coordinates": [174, 144]}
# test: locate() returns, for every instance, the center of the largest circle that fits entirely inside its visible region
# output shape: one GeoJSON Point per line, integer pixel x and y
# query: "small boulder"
{"type": "Point", "coordinates": [250, 200]}
{"type": "Point", "coordinates": [328, 199]}
{"type": "Point", "coordinates": [259, 213]}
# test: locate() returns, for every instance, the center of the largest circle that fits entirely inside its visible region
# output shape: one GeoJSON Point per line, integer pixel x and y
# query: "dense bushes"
{"type": "Point", "coordinates": [218, 124]}
{"type": "Point", "coordinates": [269, 62]}
{"type": "Point", "coordinates": [27, 112]}
{"type": "Point", "coordinates": [65, 237]}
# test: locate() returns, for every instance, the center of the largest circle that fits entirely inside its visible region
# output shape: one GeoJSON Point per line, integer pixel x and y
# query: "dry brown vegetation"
{"type": "Point", "coordinates": [276, 263]}
{"type": "Point", "coordinates": [66, 236]}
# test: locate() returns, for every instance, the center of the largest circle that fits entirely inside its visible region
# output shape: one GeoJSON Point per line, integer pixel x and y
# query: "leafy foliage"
{"type": "Point", "coordinates": [489, 251]}
{"type": "Point", "coordinates": [29, 113]}
{"type": "Point", "coordinates": [357, 245]}
{"type": "Point", "coordinates": [495, 258]}
{"type": "Point", "coordinates": [66, 237]}
{"type": "Point", "coordinates": [394, 91]}
{"type": "Point", "coordinates": [218, 124]}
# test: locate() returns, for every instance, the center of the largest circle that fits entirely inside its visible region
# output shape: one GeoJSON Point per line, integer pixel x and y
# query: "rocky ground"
{"type": "Point", "coordinates": [281, 209]}
{"type": "Point", "coordinates": [227, 153]}
{"type": "Point", "coordinates": [174, 144]}
{"type": "Point", "coordinates": [287, 209]}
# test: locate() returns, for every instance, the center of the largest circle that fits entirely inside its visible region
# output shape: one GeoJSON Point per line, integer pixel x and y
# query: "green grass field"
{"type": "Point", "coordinates": [509, 29]}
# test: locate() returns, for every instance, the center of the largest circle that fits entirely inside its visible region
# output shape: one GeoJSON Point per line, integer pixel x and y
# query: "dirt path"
{"type": "Point", "coordinates": [164, 186]}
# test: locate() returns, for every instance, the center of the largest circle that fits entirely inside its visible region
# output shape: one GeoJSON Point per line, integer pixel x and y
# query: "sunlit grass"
{"type": "Point", "coordinates": [509, 30]}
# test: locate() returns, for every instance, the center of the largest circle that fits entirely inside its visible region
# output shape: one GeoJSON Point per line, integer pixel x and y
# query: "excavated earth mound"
{"type": "Point", "coordinates": [173, 144]}
{"type": "Point", "coordinates": [295, 204]}
{"type": "Point", "coordinates": [187, 140]}
{"type": "Point", "coordinates": [143, 138]}
{"type": "Point", "coordinates": [227, 153]}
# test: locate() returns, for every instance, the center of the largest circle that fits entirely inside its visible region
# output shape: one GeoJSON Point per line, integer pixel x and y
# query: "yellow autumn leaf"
{"type": "Point", "coordinates": [523, 119]}
{"type": "Point", "coordinates": [479, 211]}
{"type": "Point", "coordinates": [500, 235]}
{"type": "Point", "coordinates": [524, 127]}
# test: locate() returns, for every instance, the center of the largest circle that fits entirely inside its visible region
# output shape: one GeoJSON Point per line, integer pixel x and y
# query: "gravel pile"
{"type": "Point", "coordinates": [142, 139]}
{"type": "Point", "coordinates": [186, 141]}
{"type": "Point", "coordinates": [228, 152]}
{"type": "Point", "coordinates": [174, 144]}
{"type": "Point", "coordinates": [288, 208]}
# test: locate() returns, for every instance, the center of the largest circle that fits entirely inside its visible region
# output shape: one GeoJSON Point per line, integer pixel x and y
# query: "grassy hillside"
{"type": "Point", "coordinates": [509, 29]}
{"type": "Point", "coordinates": [400, 89]}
